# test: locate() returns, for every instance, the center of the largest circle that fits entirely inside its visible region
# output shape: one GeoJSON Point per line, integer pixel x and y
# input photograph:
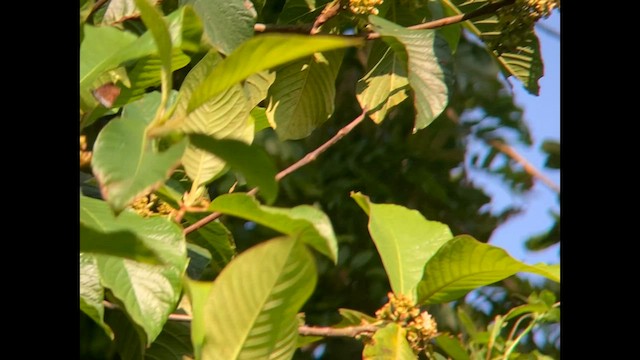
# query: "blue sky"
{"type": "Point", "coordinates": [542, 113]}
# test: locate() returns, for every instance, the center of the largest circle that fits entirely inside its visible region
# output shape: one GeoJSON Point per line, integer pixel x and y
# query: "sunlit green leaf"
{"type": "Point", "coordinates": [262, 53]}
{"type": "Point", "coordinates": [126, 162]}
{"type": "Point", "coordinates": [92, 292]}
{"type": "Point", "coordinates": [310, 224]}
{"type": "Point", "coordinates": [464, 264]}
{"type": "Point", "coordinates": [252, 307]}
{"type": "Point", "coordinates": [428, 61]}
{"type": "Point", "coordinates": [405, 241]}
{"type": "Point", "coordinates": [389, 343]}
{"type": "Point", "coordinates": [198, 292]}
{"type": "Point", "coordinates": [173, 343]}
{"type": "Point", "coordinates": [251, 160]}
{"type": "Point", "coordinates": [302, 96]}
{"type": "Point", "coordinates": [452, 347]}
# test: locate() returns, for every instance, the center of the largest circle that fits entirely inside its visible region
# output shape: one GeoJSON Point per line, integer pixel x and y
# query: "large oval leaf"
{"type": "Point", "coordinates": [252, 306]}
{"type": "Point", "coordinates": [302, 96]}
{"type": "Point", "coordinates": [464, 264]}
{"type": "Point", "coordinates": [405, 241]}
{"type": "Point", "coordinates": [227, 23]}
{"type": "Point", "coordinates": [250, 160]}
{"type": "Point", "coordinates": [92, 292]}
{"type": "Point", "coordinates": [428, 73]}
{"type": "Point", "coordinates": [125, 161]}
{"type": "Point", "coordinates": [385, 85]}
{"type": "Point", "coordinates": [262, 53]}
{"type": "Point", "coordinates": [149, 293]}
{"type": "Point", "coordinates": [389, 343]}
{"type": "Point", "coordinates": [310, 224]}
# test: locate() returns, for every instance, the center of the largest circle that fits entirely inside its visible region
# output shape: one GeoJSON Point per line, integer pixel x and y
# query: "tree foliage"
{"type": "Point", "coordinates": [222, 216]}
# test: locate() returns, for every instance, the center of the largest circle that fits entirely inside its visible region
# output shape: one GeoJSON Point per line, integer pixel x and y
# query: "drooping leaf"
{"type": "Point", "coordinates": [452, 347]}
{"type": "Point", "coordinates": [257, 85]}
{"type": "Point", "coordinates": [130, 339]}
{"type": "Point", "coordinates": [118, 11]}
{"type": "Point", "coordinates": [251, 160]}
{"type": "Point", "coordinates": [148, 292]}
{"type": "Point", "coordinates": [227, 23]}
{"type": "Point", "coordinates": [428, 61]}
{"type": "Point", "coordinates": [525, 62]}
{"type": "Point", "coordinates": [173, 343]}
{"type": "Point", "coordinates": [389, 343]}
{"type": "Point", "coordinates": [262, 53]}
{"type": "Point", "coordinates": [252, 306]}
{"type": "Point", "coordinates": [464, 263]}
{"type": "Point", "coordinates": [157, 26]}
{"type": "Point", "coordinates": [102, 232]}
{"type": "Point", "coordinates": [92, 292]}
{"type": "Point", "coordinates": [105, 48]}
{"type": "Point", "coordinates": [385, 85]}
{"type": "Point", "coordinates": [146, 74]}
{"type": "Point", "coordinates": [405, 241]}
{"type": "Point", "coordinates": [198, 292]}
{"type": "Point", "coordinates": [302, 96]}
{"type": "Point", "coordinates": [126, 161]}
{"type": "Point", "coordinates": [124, 243]}
{"type": "Point", "coordinates": [214, 237]}
{"type": "Point", "coordinates": [259, 117]}
{"type": "Point", "coordinates": [310, 224]}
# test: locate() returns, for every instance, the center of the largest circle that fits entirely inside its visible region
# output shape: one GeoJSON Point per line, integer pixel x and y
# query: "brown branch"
{"type": "Point", "coordinates": [349, 331]}
{"type": "Point", "coordinates": [303, 330]}
{"type": "Point", "coordinates": [309, 28]}
{"type": "Point", "coordinates": [530, 169]}
{"type": "Point", "coordinates": [297, 165]}
{"type": "Point", "coordinates": [332, 9]}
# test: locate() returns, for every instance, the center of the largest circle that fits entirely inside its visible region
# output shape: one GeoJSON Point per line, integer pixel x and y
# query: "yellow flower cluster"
{"type": "Point", "coordinates": [364, 6]}
{"type": "Point", "coordinates": [420, 326]}
{"type": "Point", "coordinates": [542, 8]}
{"type": "Point", "coordinates": [151, 205]}
{"type": "Point", "coordinates": [85, 156]}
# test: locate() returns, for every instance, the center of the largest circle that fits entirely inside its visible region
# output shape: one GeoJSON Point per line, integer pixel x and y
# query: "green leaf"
{"type": "Point", "coordinates": [148, 292]}
{"type": "Point", "coordinates": [353, 318]}
{"type": "Point", "coordinates": [259, 118]}
{"type": "Point", "coordinates": [427, 63]}
{"type": "Point", "coordinates": [124, 244]}
{"type": "Point", "coordinates": [122, 236]}
{"type": "Point", "coordinates": [302, 96]}
{"type": "Point", "coordinates": [158, 28]}
{"type": "Point", "coordinates": [92, 292]}
{"type": "Point", "coordinates": [252, 307]}
{"type": "Point", "coordinates": [452, 347]}
{"type": "Point", "coordinates": [198, 292]}
{"type": "Point", "coordinates": [214, 237]}
{"type": "Point", "coordinates": [464, 264]}
{"type": "Point", "coordinates": [301, 11]}
{"type": "Point", "coordinates": [129, 340]}
{"type": "Point", "coordinates": [385, 85]}
{"type": "Point", "coordinates": [257, 86]}
{"type": "Point", "coordinates": [261, 53]}
{"type": "Point", "coordinates": [251, 160]}
{"type": "Point", "coordinates": [146, 74]}
{"type": "Point", "coordinates": [173, 343]}
{"type": "Point", "coordinates": [389, 343]}
{"type": "Point", "coordinates": [105, 48]}
{"type": "Point", "coordinates": [125, 161]}
{"type": "Point", "coordinates": [525, 63]}
{"type": "Point", "coordinates": [405, 241]}
{"type": "Point", "coordinates": [227, 23]}
{"type": "Point", "coordinates": [310, 224]}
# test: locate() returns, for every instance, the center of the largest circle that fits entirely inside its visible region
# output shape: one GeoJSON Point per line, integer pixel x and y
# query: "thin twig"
{"type": "Point", "coordinates": [303, 330]}
{"type": "Point", "coordinates": [349, 331]}
{"type": "Point", "coordinates": [309, 28]}
{"type": "Point", "coordinates": [512, 153]}
{"type": "Point", "coordinates": [297, 165]}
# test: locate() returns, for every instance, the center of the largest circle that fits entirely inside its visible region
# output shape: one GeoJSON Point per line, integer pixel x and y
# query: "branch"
{"type": "Point", "coordinates": [488, 9]}
{"type": "Point", "coordinates": [304, 330]}
{"type": "Point", "coordinates": [512, 153]}
{"type": "Point", "coordinates": [326, 331]}
{"type": "Point", "coordinates": [297, 165]}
